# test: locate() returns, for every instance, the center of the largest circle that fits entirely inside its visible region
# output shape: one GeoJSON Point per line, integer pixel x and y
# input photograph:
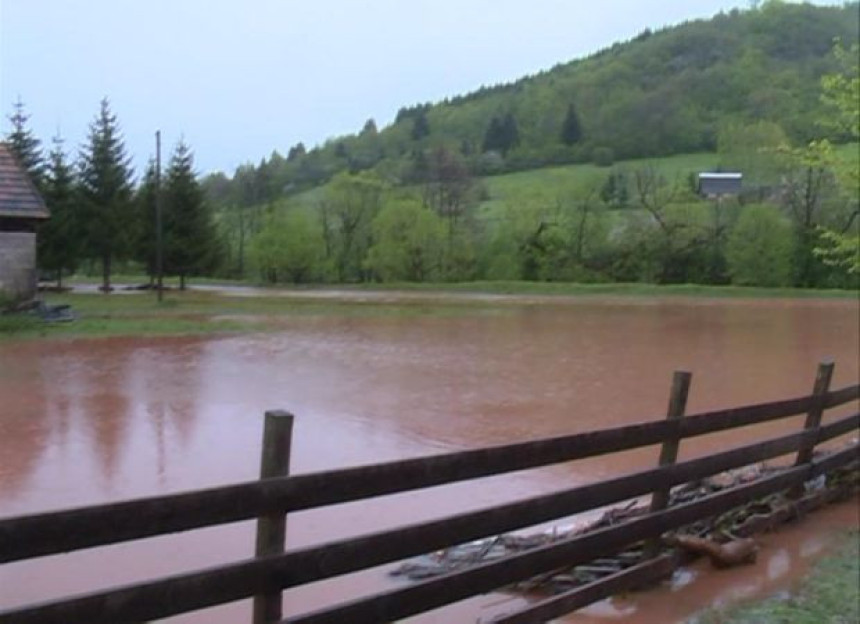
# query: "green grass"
{"type": "Point", "coordinates": [206, 312]}
{"type": "Point", "coordinates": [829, 595]}
{"type": "Point", "coordinates": [550, 183]}
{"type": "Point", "coordinates": [191, 313]}
{"type": "Point", "coordinates": [619, 289]}
{"type": "Point", "coordinates": [522, 288]}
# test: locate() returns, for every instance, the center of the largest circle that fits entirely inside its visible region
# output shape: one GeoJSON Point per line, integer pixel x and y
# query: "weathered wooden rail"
{"type": "Point", "coordinates": [270, 499]}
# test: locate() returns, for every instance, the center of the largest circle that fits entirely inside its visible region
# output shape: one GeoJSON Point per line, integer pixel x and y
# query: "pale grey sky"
{"type": "Point", "coordinates": [238, 78]}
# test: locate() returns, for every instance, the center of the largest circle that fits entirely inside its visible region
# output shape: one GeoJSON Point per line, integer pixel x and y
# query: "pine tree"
{"type": "Point", "coordinates": [296, 151]}
{"type": "Point", "coordinates": [369, 128]}
{"type": "Point", "coordinates": [493, 136]}
{"type": "Point", "coordinates": [59, 240]}
{"type": "Point", "coordinates": [146, 236]}
{"type": "Point", "coordinates": [105, 183]}
{"type": "Point", "coordinates": [571, 129]}
{"type": "Point", "coordinates": [510, 133]}
{"type": "Point", "coordinates": [24, 146]}
{"type": "Point", "coordinates": [191, 242]}
{"type": "Point", "coordinates": [502, 134]}
{"type": "Point", "coordinates": [420, 126]}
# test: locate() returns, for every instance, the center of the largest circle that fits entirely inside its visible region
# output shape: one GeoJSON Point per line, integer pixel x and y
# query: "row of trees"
{"type": "Point", "coordinates": [654, 230]}
{"type": "Point", "coordinates": [100, 214]}
{"type": "Point", "coordinates": [796, 225]}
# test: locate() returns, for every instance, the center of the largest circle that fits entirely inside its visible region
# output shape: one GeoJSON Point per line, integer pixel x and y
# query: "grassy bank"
{"type": "Point", "coordinates": [207, 311]}
{"type": "Point", "coordinates": [830, 594]}
{"type": "Point", "coordinates": [520, 288]}
{"type": "Point", "coordinates": [620, 289]}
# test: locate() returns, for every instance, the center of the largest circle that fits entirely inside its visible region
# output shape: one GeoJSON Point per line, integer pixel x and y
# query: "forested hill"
{"type": "Point", "coordinates": [662, 93]}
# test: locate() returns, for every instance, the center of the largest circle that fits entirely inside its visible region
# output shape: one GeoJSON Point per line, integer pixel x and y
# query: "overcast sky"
{"type": "Point", "coordinates": [240, 78]}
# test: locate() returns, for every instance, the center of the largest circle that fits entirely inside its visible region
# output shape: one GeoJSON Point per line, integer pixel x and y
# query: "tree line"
{"type": "Point", "coordinates": [102, 215]}
{"type": "Point", "coordinates": [431, 215]}
{"type": "Point", "coordinates": [795, 224]}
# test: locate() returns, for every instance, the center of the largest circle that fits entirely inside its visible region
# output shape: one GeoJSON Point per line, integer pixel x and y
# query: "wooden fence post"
{"type": "Point", "coordinates": [272, 529]}
{"type": "Point", "coordinates": [821, 387]}
{"type": "Point", "coordinates": [669, 450]}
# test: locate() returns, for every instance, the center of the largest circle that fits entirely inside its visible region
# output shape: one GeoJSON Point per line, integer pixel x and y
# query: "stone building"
{"type": "Point", "coordinates": [21, 210]}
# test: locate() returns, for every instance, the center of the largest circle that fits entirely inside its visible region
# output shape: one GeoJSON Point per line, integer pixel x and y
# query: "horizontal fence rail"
{"type": "Point", "coordinates": [26, 537]}
{"type": "Point", "coordinates": [56, 532]}
{"type": "Point", "coordinates": [207, 588]}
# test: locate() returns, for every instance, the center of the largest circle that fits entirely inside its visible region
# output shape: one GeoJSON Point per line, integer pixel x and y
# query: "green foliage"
{"type": "Point", "coordinates": [25, 146]}
{"type": "Point", "coordinates": [603, 156]}
{"type": "Point", "coordinates": [350, 204]}
{"type": "Point", "coordinates": [420, 126]}
{"type": "Point", "coordinates": [288, 249]}
{"type": "Point", "coordinates": [841, 92]}
{"type": "Point", "coordinates": [190, 239]}
{"type": "Point", "coordinates": [840, 250]}
{"type": "Point", "coordinates": [754, 149]}
{"type": "Point", "coordinates": [146, 241]}
{"type": "Point", "coordinates": [759, 251]}
{"type": "Point", "coordinates": [59, 238]}
{"type": "Point", "coordinates": [409, 243]}
{"type": "Point", "coordinates": [811, 197]}
{"type": "Point", "coordinates": [502, 135]}
{"type": "Point", "coordinates": [615, 192]}
{"type": "Point", "coordinates": [571, 128]}
{"type": "Point", "coordinates": [105, 185]}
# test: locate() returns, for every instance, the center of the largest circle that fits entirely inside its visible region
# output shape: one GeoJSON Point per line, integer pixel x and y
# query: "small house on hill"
{"type": "Point", "coordinates": [720, 184]}
{"type": "Point", "coordinates": [21, 209]}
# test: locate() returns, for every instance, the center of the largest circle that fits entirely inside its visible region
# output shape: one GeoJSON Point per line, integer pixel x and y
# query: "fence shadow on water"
{"type": "Point", "coordinates": [276, 494]}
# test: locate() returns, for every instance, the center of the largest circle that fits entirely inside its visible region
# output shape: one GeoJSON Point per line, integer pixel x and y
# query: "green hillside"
{"type": "Point", "coordinates": [662, 93]}
{"type": "Point", "coordinates": [586, 172]}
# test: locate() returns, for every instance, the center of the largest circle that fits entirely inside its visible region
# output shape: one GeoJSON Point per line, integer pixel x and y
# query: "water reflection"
{"type": "Point", "coordinates": [71, 426]}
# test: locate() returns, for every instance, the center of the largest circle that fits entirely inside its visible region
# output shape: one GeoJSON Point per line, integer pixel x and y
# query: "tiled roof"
{"type": "Point", "coordinates": [18, 196]}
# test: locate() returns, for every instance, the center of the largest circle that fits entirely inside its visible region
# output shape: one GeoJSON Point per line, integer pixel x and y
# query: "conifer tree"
{"type": "Point", "coordinates": [59, 240]}
{"type": "Point", "coordinates": [105, 184]}
{"type": "Point", "coordinates": [571, 129]}
{"type": "Point", "coordinates": [493, 136]}
{"type": "Point", "coordinates": [296, 151]}
{"type": "Point", "coordinates": [510, 133]}
{"type": "Point", "coordinates": [502, 134]}
{"type": "Point", "coordinates": [25, 146]}
{"type": "Point", "coordinates": [420, 125]}
{"type": "Point", "coordinates": [191, 242]}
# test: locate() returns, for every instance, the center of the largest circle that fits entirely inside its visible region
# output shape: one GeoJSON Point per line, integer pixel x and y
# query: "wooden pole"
{"type": "Point", "coordinates": [669, 450]}
{"type": "Point", "coordinates": [272, 529]}
{"type": "Point", "coordinates": [823, 376]}
{"type": "Point", "coordinates": [159, 243]}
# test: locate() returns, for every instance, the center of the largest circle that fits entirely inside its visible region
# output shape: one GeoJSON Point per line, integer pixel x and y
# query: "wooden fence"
{"type": "Point", "coordinates": [277, 493]}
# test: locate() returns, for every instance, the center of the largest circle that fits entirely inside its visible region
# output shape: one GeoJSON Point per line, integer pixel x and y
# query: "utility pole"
{"type": "Point", "coordinates": [159, 257]}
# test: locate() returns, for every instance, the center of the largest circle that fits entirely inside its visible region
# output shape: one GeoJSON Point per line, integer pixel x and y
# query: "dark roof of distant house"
{"type": "Point", "coordinates": [18, 196]}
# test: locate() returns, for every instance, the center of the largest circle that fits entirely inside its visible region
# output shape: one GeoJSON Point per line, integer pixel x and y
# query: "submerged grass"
{"type": "Point", "coordinates": [207, 311]}
{"type": "Point", "coordinates": [829, 595]}
{"type": "Point", "coordinates": [624, 289]}
{"type": "Point", "coordinates": [535, 288]}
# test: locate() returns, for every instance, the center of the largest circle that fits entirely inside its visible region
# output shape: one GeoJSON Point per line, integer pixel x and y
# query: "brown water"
{"type": "Point", "coordinates": [86, 421]}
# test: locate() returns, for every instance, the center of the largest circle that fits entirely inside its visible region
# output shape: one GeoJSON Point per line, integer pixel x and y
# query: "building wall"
{"type": "Point", "coordinates": [18, 264]}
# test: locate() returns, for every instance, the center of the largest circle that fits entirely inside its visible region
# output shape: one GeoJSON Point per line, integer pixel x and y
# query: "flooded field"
{"type": "Point", "coordinates": [92, 420]}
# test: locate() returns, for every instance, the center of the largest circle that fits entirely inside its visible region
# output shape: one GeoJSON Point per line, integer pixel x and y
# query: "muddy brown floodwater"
{"type": "Point", "coordinates": [92, 420]}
